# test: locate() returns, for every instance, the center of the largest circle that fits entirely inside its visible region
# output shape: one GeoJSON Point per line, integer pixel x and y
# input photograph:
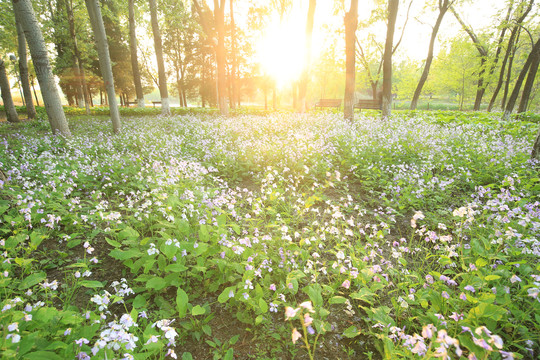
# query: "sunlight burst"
{"type": "Point", "coordinates": [281, 51]}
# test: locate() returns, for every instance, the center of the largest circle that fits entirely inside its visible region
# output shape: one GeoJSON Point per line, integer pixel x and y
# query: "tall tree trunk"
{"type": "Point", "coordinates": [76, 69]}
{"type": "Point", "coordinates": [393, 6]}
{"type": "Point", "coordinates": [163, 91]}
{"type": "Point", "coordinates": [509, 73]}
{"type": "Point", "coordinates": [513, 35]}
{"type": "Point", "coordinates": [443, 8]}
{"type": "Point", "coordinates": [527, 89]}
{"type": "Point", "coordinates": [53, 105]}
{"type": "Point", "coordinates": [133, 51]}
{"type": "Point", "coordinates": [532, 59]}
{"type": "Point", "coordinates": [34, 89]}
{"type": "Point", "coordinates": [302, 86]}
{"type": "Point", "coordinates": [23, 72]}
{"type": "Point", "coordinates": [481, 87]}
{"type": "Point", "coordinates": [9, 106]}
{"type": "Point", "coordinates": [234, 65]}
{"type": "Point", "coordinates": [351, 23]}
{"type": "Point", "coordinates": [219, 20]}
{"type": "Point", "coordinates": [98, 28]}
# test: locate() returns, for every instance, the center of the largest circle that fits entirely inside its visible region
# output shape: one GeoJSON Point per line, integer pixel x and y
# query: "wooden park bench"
{"type": "Point", "coordinates": [369, 104]}
{"type": "Point", "coordinates": [335, 103]}
{"type": "Point", "coordinates": [128, 103]}
{"type": "Point", "coordinates": [156, 102]}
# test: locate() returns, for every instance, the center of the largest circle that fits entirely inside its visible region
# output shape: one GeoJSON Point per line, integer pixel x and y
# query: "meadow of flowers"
{"type": "Point", "coordinates": [271, 237]}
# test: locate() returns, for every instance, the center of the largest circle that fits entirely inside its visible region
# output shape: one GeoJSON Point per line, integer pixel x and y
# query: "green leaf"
{"type": "Point", "coordinates": [187, 356]}
{"type": "Point", "coordinates": [91, 284]}
{"type": "Point", "coordinates": [492, 277]}
{"type": "Point", "coordinates": [337, 300]}
{"type": "Point", "coordinates": [229, 355]}
{"type": "Point", "coordinates": [198, 310]}
{"type": "Point", "coordinates": [139, 302]}
{"type": "Point", "coordinates": [314, 292]}
{"type": "Point", "coordinates": [491, 311]}
{"type": "Point", "coordinates": [128, 233]}
{"type": "Point", "coordinates": [124, 255]}
{"type": "Point", "coordinates": [42, 355]}
{"type": "Point", "coordinates": [351, 332]}
{"type": "Point", "coordinates": [224, 296]}
{"type": "Point", "coordinates": [364, 295]}
{"type": "Point", "coordinates": [263, 306]}
{"type": "Point", "coordinates": [32, 280]}
{"type": "Point", "coordinates": [176, 268]}
{"type": "Point", "coordinates": [156, 283]}
{"type": "Point", "coordinates": [480, 262]}
{"type": "Point", "coordinates": [182, 301]}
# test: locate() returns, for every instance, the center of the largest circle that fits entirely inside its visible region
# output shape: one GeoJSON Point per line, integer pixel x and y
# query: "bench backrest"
{"type": "Point", "coordinates": [329, 102]}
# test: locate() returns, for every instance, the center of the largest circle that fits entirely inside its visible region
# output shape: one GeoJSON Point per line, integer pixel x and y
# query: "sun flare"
{"type": "Point", "coordinates": [281, 51]}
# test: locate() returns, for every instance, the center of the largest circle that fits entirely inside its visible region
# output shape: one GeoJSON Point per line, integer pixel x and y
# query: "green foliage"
{"type": "Point", "coordinates": [411, 237]}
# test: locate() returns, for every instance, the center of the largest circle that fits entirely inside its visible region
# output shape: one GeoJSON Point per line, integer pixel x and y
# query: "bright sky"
{"type": "Point", "coordinates": [281, 47]}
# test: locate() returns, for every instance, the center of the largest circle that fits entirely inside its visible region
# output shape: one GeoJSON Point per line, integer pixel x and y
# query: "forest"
{"type": "Point", "coordinates": [239, 179]}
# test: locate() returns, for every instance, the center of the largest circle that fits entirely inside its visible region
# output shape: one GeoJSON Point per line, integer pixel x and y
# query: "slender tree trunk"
{"type": "Point", "coordinates": [509, 74]}
{"type": "Point", "coordinates": [23, 72]}
{"type": "Point", "coordinates": [98, 28]}
{"type": "Point", "coordinates": [393, 6]}
{"type": "Point", "coordinates": [76, 69]}
{"type": "Point", "coordinates": [302, 86]}
{"type": "Point", "coordinates": [79, 71]}
{"type": "Point", "coordinates": [234, 64]}
{"type": "Point", "coordinates": [535, 153]}
{"type": "Point", "coordinates": [9, 106]}
{"type": "Point", "coordinates": [274, 97]}
{"type": "Point", "coordinates": [531, 59]}
{"type": "Point", "coordinates": [219, 20]}
{"type": "Point", "coordinates": [351, 23]}
{"type": "Point", "coordinates": [527, 89]}
{"type": "Point", "coordinates": [163, 91]}
{"type": "Point", "coordinates": [513, 35]}
{"type": "Point", "coordinates": [443, 8]}
{"type": "Point", "coordinates": [53, 105]}
{"type": "Point", "coordinates": [133, 51]}
{"type": "Point", "coordinates": [34, 89]}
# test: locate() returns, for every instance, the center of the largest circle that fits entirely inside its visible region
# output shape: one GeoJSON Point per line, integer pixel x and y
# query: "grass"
{"type": "Point", "coordinates": [271, 236]}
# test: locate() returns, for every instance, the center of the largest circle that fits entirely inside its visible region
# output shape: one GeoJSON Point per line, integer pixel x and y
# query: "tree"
{"type": "Point", "coordinates": [302, 84]}
{"type": "Point", "coordinates": [523, 9]}
{"type": "Point", "coordinates": [53, 106]}
{"type": "Point", "coordinates": [9, 106]}
{"type": "Point", "coordinates": [443, 6]}
{"type": "Point", "coordinates": [133, 51]}
{"type": "Point", "coordinates": [351, 22]}
{"type": "Point", "coordinates": [163, 91]}
{"type": "Point", "coordinates": [483, 50]}
{"type": "Point", "coordinates": [393, 6]}
{"type": "Point", "coordinates": [234, 63]}
{"type": "Point", "coordinates": [98, 28]}
{"type": "Point", "coordinates": [219, 47]}
{"type": "Point", "coordinates": [23, 72]}
{"type": "Point", "coordinates": [531, 67]}
{"type": "Point", "coordinates": [78, 68]}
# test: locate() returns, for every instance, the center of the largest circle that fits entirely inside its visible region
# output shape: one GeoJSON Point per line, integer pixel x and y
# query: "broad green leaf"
{"type": "Point", "coordinates": [337, 300]}
{"type": "Point", "coordinates": [225, 294]}
{"type": "Point", "coordinates": [156, 283]}
{"type": "Point", "coordinates": [351, 332]}
{"type": "Point", "coordinates": [124, 255]}
{"type": "Point", "coordinates": [480, 262]}
{"type": "Point", "coordinates": [492, 277]}
{"type": "Point", "coordinates": [32, 280]}
{"type": "Point", "coordinates": [139, 302]}
{"type": "Point", "coordinates": [187, 356]}
{"type": "Point", "coordinates": [91, 284]}
{"type": "Point", "coordinates": [176, 268]}
{"type": "Point", "coordinates": [363, 294]}
{"type": "Point", "coordinates": [181, 302]}
{"type": "Point", "coordinates": [42, 355]}
{"type": "Point", "coordinates": [198, 310]}
{"type": "Point", "coordinates": [229, 355]}
{"type": "Point", "coordinates": [263, 306]}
